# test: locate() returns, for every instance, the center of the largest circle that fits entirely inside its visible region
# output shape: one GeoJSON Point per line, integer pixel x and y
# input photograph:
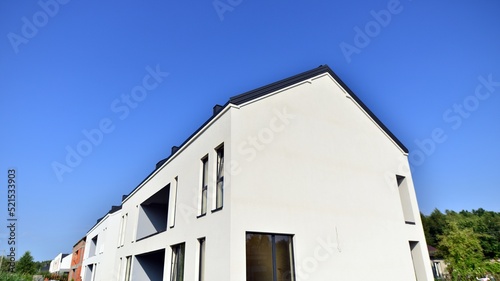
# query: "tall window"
{"type": "Point", "coordinates": [419, 263]}
{"type": "Point", "coordinates": [173, 206]}
{"type": "Point", "coordinates": [128, 266]}
{"type": "Point", "coordinates": [204, 185]}
{"type": "Point", "coordinates": [269, 257]}
{"type": "Point", "coordinates": [202, 259]}
{"type": "Point", "coordinates": [123, 226]}
{"type": "Point", "coordinates": [404, 196]}
{"type": "Point", "coordinates": [220, 177]}
{"type": "Point", "coordinates": [93, 247]}
{"type": "Point", "coordinates": [177, 269]}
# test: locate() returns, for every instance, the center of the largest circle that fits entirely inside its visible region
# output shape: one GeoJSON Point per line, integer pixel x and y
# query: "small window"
{"type": "Point", "coordinates": [269, 257]}
{"type": "Point", "coordinates": [204, 185]}
{"type": "Point", "coordinates": [404, 196]}
{"type": "Point", "coordinates": [219, 193]}
{"type": "Point", "coordinates": [202, 259]}
{"type": "Point", "coordinates": [177, 267]}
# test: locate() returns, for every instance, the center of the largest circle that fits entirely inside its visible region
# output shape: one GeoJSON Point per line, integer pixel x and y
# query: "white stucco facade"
{"type": "Point", "coordinates": [304, 161]}
{"type": "Point", "coordinates": [99, 261]}
{"type": "Point", "coordinates": [61, 263]}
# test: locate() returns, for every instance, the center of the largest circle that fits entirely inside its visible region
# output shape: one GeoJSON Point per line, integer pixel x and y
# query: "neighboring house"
{"type": "Point", "coordinates": [296, 180]}
{"type": "Point", "coordinates": [99, 262]}
{"type": "Point", "coordinates": [76, 261]}
{"type": "Point", "coordinates": [60, 264]}
{"type": "Point", "coordinates": [439, 268]}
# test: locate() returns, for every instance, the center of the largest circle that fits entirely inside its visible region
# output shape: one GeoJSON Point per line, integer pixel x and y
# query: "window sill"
{"type": "Point", "coordinates": [202, 215]}
{"type": "Point", "coordinates": [410, 222]}
{"type": "Point", "coordinates": [216, 210]}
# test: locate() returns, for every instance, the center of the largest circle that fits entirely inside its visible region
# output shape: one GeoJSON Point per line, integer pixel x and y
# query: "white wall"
{"type": "Point", "coordinates": [66, 263]}
{"type": "Point", "coordinates": [104, 258]}
{"type": "Point", "coordinates": [321, 174]}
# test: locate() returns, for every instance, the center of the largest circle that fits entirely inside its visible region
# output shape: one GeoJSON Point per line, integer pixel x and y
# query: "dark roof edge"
{"type": "Point", "coordinates": [113, 210]}
{"type": "Point", "coordinates": [162, 161]}
{"type": "Point", "coordinates": [372, 115]}
{"type": "Point", "coordinates": [82, 239]}
{"type": "Point", "coordinates": [262, 91]}
{"type": "Point", "coordinates": [267, 89]}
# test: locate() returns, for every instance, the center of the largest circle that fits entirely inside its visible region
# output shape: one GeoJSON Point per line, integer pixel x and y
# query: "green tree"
{"type": "Point", "coordinates": [26, 265]}
{"type": "Point", "coordinates": [461, 249]}
{"type": "Point", "coordinates": [434, 226]}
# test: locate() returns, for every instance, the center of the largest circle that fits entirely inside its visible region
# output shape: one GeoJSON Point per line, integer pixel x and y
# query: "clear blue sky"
{"type": "Point", "coordinates": [425, 68]}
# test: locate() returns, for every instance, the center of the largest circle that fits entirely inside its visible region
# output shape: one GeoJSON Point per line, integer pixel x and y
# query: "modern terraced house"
{"type": "Point", "coordinates": [296, 180]}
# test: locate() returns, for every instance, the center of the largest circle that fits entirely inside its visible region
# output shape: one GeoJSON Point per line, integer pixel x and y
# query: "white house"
{"type": "Point", "coordinates": [99, 260]}
{"type": "Point", "coordinates": [60, 264]}
{"type": "Point", "coordinates": [296, 180]}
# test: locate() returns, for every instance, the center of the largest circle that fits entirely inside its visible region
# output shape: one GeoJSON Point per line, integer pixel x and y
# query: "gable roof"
{"type": "Point", "coordinates": [276, 86]}
{"type": "Point", "coordinates": [270, 88]}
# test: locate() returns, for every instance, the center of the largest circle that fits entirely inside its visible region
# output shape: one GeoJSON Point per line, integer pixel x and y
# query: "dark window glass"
{"type": "Point", "coordinates": [269, 257]}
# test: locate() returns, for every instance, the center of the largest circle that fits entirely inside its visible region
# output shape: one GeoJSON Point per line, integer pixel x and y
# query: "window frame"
{"type": "Point", "coordinates": [202, 259]}
{"type": "Point", "coordinates": [273, 254]}
{"type": "Point", "coordinates": [219, 178]}
{"type": "Point", "coordinates": [204, 186]}
{"type": "Point", "coordinates": [128, 268]}
{"type": "Point", "coordinates": [175, 262]}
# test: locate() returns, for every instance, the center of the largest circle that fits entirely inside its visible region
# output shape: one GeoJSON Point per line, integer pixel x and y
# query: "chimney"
{"type": "Point", "coordinates": [217, 108]}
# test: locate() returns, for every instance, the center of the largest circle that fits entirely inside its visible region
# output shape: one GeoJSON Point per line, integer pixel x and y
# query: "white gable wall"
{"type": "Point", "coordinates": [321, 177]}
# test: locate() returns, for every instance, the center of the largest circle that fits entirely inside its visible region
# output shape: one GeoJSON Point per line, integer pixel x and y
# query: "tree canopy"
{"type": "Point", "coordinates": [485, 224]}
{"type": "Point", "coordinates": [466, 240]}
{"type": "Point", "coordinates": [26, 265]}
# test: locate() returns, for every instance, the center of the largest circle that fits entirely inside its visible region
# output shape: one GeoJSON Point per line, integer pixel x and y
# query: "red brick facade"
{"type": "Point", "coordinates": [76, 261]}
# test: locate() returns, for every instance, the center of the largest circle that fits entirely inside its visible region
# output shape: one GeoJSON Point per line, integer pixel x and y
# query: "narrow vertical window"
{"type": "Point", "coordinates": [177, 267]}
{"type": "Point", "coordinates": [404, 196]}
{"type": "Point", "coordinates": [204, 185]}
{"type": "Point", "coordinates": [120, 266]}
{"type": "Point", "coordinates": [419, 263]}
{"type": "Point", "coordinates": [219, 193]}
{"type": "Point", "coordinates": [173, 206]}
{"type": "Point", "coordinates": [201, 276]}
{"type": "Point", "coordinates": [123, 227]}
{"type": "Point", "coordinates": [128, 266]}
{"type": "Point", "coordinates": [93, 247]}
{"type": "Point", "coordinates": [94, 271]}
{"type": "Point", "coordinates": [269, 257]}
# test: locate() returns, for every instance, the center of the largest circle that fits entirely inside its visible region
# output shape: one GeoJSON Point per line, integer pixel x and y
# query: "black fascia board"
{"type": "Point", "coordinates": [276, 86]}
